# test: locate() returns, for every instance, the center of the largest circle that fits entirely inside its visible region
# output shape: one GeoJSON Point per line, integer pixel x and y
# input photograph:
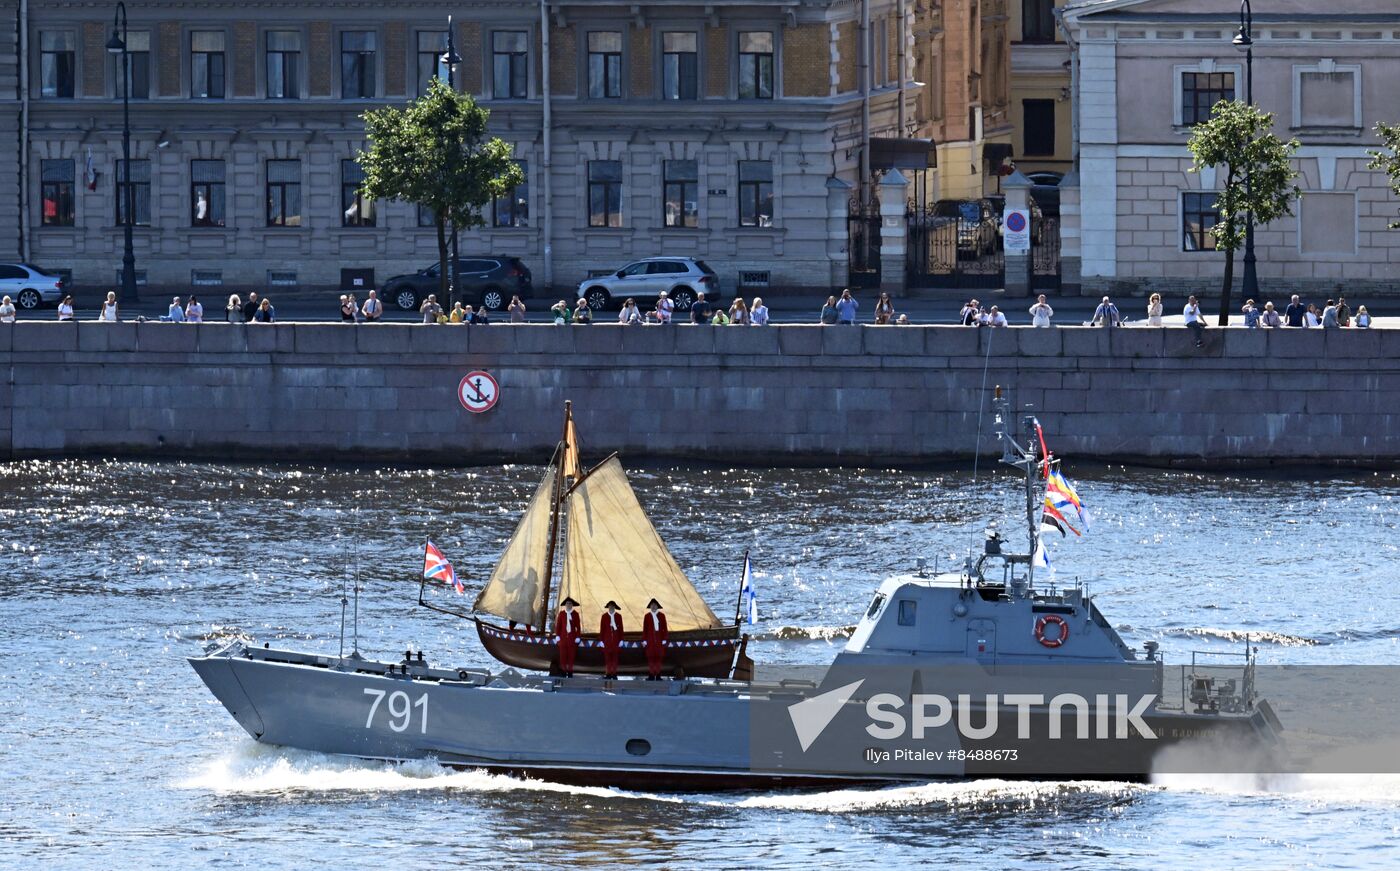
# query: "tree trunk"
{"type": "Point", "coordinates": [1226, 287]}
{"type": "Point", "coordinates": [442, 254]}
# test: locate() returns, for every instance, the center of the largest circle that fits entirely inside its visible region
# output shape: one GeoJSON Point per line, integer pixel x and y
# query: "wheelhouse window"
{"type": "Point", "coordinates": [1198, 215]}
{"type": "Point", "coordinates": [56, 192]}
{"type": "Point", "coordinates": [207, 193]}
{"type": "Point", "coordinates": [510, 70]}
{"type": "Point", "coordinates": [756, 65]}
{"type": "Point", "coordinates": [284, 193]}
{"type": "Point", "coordinates": [57, 64]}
{"type": "Point", "coordinates": [138, 75]}
{"type": "Point", "coordinates": [605, 65]}
{"type": "Point", "coordinates": [207, 65]}
{"type": "Point", "coordinates": [513, 209]}
{"type": "Point", "coordinates": [605, 193]}
{"type": "Point", "coordinates": [680, 66]}
{"type": "Point", "coordinates": [357, 65]}
{"type": "Point", "coordinates": [283, 65]}
{"type": "Point", "coordinates": [432, 46]}
{"type": "Point", "coordinates": [755, 193]}
{"type": "Point", "coordinates": [356, 209]}
{"type": "Point", "coordinates": [908, 612]}
{"type": "Point", "coordinates": [139, 180]}
{"type": "Point", "coordinates": [1201, 91]}
{"type": "Point", "coordinates": [681, 193]}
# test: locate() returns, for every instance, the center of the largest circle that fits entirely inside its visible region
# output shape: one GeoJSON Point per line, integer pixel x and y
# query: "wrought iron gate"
{"type": "Point", "coordinates": [946, 251]}
{"type": "Point", "coordinates": [863, 245]}
{"type": "Point", "coordinates": [1045, 253]}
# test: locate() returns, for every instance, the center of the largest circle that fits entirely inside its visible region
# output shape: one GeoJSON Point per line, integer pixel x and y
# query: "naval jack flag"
{"type": "Point", "coordinates": [748, 599]}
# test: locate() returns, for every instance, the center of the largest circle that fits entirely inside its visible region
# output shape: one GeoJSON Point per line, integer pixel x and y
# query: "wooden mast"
{"type": "Point", "coordinates": [554, 514]}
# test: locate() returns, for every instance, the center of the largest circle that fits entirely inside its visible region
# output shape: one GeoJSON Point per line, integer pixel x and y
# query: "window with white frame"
{"type": "Point", "coordinates": [1327, 94]}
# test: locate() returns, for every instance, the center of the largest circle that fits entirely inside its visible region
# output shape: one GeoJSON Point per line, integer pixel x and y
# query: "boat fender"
{"type": "Point", "coordinates": [960, 610]}
{"type": "Point", "coordinates": [1047, 620]}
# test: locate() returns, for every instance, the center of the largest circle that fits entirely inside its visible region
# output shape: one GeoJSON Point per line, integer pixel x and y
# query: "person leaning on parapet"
{"type": "Point", "coordinates": [828, 315]}
{"type": "Point", "coordinates": [176, 313]}
{"type": "Point", "coordinates": [478, 316]}
{"type": "Point", "coordinates": [108, 312]}
{"type": "Point", "coordinates": [1106, 315]}
{"type": "Point", "coordinates": [1295, 314]}
{"type": "Point", "coordinates": [1270, 318]}
{"type": "Point", "coordinates": [628, 314]}
{"type": "Point", "coordinates": [970, 314]}
{"type": "Point", "coordinates": [560, 312]}
{"type": "Point", "coordinates": [516, 310]}
{"type": "Point", "coordinates": [1343, 312]}
{"type": "Point", "coordinates": [347, 309]}
{"type": "Point", "coordinates": [758, 315]}
{"type": "Point", "coordinates": [1330, 320]}
{"type": "Point", "coordinates": [7, 311]}
{"type": "Point", "coordinates": [902, 321]}
{"type": "Point", "coordinates": [65, 310]}
{"type": "Point", "coordinates": [664, 308]}
{"type": "Point", "coordinates": [233, 312]}
{"type": "Point", "coordinates": [739, 313]}
{"type": "Point", "coordinates": [700, 310]}
{"type": "Point", "coordinates": [373, 309]}
{"type": "Point", "coordinates": [250, 308]}
{"type": "Point", "coordinates": [458, 314]}
{"type": "Point", "coordinates": [1312, 317]}
{"type": "Point", "coordinates": [582, 313]}
{"type": "Point", "coordinates": [194, 311]}
{"type": "Point", "coordinates": [1195, 321]}
{"type": "Point", "coordinates": [1041, 312]}
{"type": "Point", "coordinates": [1251, 314]}
{"type": "Point", "coordinates": [884, 310]}
{"type": "Point", "coordinates": [846, 308]}
{"type": "Point", "coordinates": [430, 309]}
{"type": "Point", "coordinates": [1154, 310]}
{"type": "Point", "coordinates": [995, 318]}
{"type": "Point", "coordinates": [1363, 318]}
{"type": "Point", "coordinates": [265, 314]}
{"type": "Point", "coordinates": [719, 318]}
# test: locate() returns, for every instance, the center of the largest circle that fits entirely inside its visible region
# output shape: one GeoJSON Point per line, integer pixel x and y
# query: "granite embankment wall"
{"type": "Point", "coordinates": [789, 394]}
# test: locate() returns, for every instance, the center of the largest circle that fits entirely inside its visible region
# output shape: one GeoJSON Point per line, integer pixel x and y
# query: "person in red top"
{"type": "Point", "coordinates": [567, 629]}
{"type": "Point", "coordinates": [610, 630]}
{"type": "Point", "coordinates": [654, 636]}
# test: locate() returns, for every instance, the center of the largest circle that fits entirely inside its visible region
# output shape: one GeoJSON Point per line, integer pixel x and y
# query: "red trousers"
{"type": "Point", "coordinates": [610, 655]}
{"type": "Point", "coordinates": [656, 653]}
{"type": "Point", "coordinates": [567, 649]}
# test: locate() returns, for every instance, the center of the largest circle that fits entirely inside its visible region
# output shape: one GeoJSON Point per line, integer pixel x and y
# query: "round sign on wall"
{"type": "Point", "coordinates": [478, 392]}
{"type": "Point", "coordinates": [1015, 221]}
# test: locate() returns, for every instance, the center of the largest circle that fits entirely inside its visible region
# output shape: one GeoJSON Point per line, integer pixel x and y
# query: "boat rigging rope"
{"type": "Point", "coordinates": [981, 415]}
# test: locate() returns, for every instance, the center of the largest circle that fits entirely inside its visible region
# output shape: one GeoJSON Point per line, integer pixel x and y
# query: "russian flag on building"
{"type": "Point", "coordinates": [437, 568]}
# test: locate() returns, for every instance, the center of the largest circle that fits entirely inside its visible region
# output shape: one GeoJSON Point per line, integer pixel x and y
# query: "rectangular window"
{"type": "Point", "coordinates": [138, 80]}
{"type": "Point", "coordinates": [510, 76]}
{"type": "Point", "coordinates": [1037, 20]}
{"type": "Point", "coordinates": [1328, 99]}
{"type": "Point", "coordinates": [1038, 127]}
{"type": "Point", "coordinates": [681, 193]}
{"type": "Point", "coordinates": [605, 65]}
{"type": "Point", "coordinates": [283, 65]}
{"type": "Point", "coordinates": [284, 193]}
{"type": "Point", "coordinates": [207, 65]}
{"type": "Point", "coordinates": [680, 67]}
{"type": "Point", "coordinates": [513, 209]}
{"type": "Point", "coordinates": [425, 217]}
{"type": "Point", "coordinates": [908, 612]}
{"type": "Point", "coordinates": [880, 54]}
{"type": "Point", "coordinates": [207, 193]}
{"type": "Point", "coordinates": [140, 184]}
{"type": "Point", "coordinates": [57, 65]}
{"type": "Point", "coordinates": [1201, 91]}
{"type": "Point", "coordinates": [356, 210]}
{"type": "Point", "coordinates": [1198, 215]}
{"type": "Point", "coordinates": [755, 193]}
{"type": "Point", "coordinates": [357, 65]}
{"type": "Point", "coordinates": [756, 65]}
{"type": "Point", "coordinates": [605, 193]}
{"type": "Point", "coordinates": [56, 192]}
{"type": "Point", "coordinates": [432, 47]}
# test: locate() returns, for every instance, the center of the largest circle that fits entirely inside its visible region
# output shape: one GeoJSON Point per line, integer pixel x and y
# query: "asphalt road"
{"type": "Point", "coordinates": [941, 308]}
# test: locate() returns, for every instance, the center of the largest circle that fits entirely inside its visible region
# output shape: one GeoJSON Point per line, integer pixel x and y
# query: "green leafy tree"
{"type": "Point", "coordinates": [435, 153]}
{"type": "Point", "coordinates": [1239, 140]}
{"type": "Point", "coordinates": [1387, 159]}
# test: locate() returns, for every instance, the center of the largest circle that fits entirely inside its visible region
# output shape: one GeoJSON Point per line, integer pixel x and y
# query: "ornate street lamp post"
{"type": "Point", "coordinates": [117, 45]}
{"type": "Point", "coordinates": [451, 60]}
{"type": "Point", "coordinates": [1244, 41]}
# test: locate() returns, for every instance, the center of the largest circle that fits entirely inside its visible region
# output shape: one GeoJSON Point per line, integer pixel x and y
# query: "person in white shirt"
{"type": "Point", "coordinates": [1154, 310]}
{"type": "Point", "coordinates": [629, 313]}
{"type": "Point", "coordinates": [995, 318]}
{"type": "Point", "coordinates": [1310, 318]}
{"type": "Point", "coordinates": [65, 309]}
{"type": "Point", "coordinates": [7, 311]}
{"type": "Point", "coordinates": [1195, 321]}
{"type": "Point", "coordinates": [664, 307]}
{"type": "Point", "coordinates": [758, 315]}
{"type": "Point", "coordinates": [109, 309]}
{"type": "Point", "coordinates": [1041, 312]}
{"type": "Point", "coordinates": [194, 311]}
{"type": "Point", "coordinates": [372, 308]}
{"type": "Point", "coordinates": [176, 312]}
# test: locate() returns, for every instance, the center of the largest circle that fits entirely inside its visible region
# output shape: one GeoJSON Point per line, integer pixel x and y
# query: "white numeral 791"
{"type": "Point", "coordinates": [400, 710]}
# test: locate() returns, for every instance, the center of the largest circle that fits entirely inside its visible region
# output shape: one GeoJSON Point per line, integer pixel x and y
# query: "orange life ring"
{"type": "Point", "coordinates": [1046, 620]}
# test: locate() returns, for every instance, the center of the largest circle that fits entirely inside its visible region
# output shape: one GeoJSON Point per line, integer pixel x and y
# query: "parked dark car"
{"type": "Point", "coordinates": [1046, 192]}
{"type": "Point", "coordinates": [977, 224]}
{"type": "Point", "coordinates": [482, 281]}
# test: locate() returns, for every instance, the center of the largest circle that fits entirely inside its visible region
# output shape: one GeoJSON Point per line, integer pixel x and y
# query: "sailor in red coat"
{"type": "Point", "coordinates": [567, 629]}
{"type": "Point", "coordinates": [654, 635]}
{"type": "Point", "coordinates": [610, 631]}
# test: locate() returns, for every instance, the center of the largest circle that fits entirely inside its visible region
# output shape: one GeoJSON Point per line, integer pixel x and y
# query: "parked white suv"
{"type": "Point", "coordinates": [29, 286]}
{"type": "Point", "coordinates": [680, 277]}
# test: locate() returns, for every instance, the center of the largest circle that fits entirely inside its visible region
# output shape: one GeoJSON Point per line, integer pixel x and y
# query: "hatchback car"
{"type": "Point", "coordinates": [681, 277]}
{"type": "Point", "coordinates": [489, 282]}
{"type": "Point", "coordinates": [29, 286]}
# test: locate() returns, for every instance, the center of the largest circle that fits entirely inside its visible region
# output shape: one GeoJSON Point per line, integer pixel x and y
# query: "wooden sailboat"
{"type": "Point", "coordinates": [610, 551]}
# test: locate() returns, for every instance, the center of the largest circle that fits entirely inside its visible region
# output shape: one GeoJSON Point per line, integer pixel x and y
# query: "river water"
{"type": "Point", "coordinates": [116, 756]}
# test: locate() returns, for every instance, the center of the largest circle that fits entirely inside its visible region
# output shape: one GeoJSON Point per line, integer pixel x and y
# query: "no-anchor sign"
{"type": "Point", "coordinates": [1016, 231]}
{"type": "Point", "coordinates": [478, 392]}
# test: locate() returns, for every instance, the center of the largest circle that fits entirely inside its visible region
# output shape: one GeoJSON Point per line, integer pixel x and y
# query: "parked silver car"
{"type": "Point", "coordinates": [29, 286]}
{"type": "Point", "coordinates": [680, 277]}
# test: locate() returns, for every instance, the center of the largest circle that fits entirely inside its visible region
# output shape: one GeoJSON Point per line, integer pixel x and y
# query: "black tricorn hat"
{"type": "Point", "coordinates": [611, 604]}
{"type": "Point", "coordinates": [653, 602]}
{"type": "Point", "coordinates": [568, 600]}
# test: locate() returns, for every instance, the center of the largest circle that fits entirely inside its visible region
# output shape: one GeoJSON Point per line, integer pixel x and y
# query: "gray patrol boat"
{"type": "Point", "coordinates": [977, 672]}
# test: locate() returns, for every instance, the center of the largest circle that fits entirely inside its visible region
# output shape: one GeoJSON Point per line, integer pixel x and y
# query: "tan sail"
{"type": "Point", "coordinates": [520, 582]}
{"type": "Point", "coordinates": [570, 464]}
{"type": "Point", "coordinates": [613, 552]}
